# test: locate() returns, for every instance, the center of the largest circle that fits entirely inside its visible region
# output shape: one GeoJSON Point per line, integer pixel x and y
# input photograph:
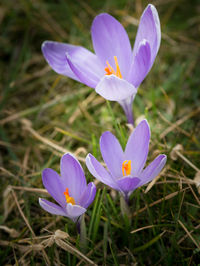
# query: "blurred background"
{"type": "Point", "coordinates": [43, 115]}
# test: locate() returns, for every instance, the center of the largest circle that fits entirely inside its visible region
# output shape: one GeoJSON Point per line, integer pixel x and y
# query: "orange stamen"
{"type": "Point", "coordinates": [118, 72]}
{"type": "Point", "coordinates": [68, 198]}
{"type": "Point", "coordinates": [109, 70]}
{"type": "Point", "coordinates": [126, 167]}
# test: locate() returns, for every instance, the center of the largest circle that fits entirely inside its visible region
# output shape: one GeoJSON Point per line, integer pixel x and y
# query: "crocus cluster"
{"type": "Point", "coordinates": [115, 70]}
{"type": "Point", "coordinates": [125, 173]}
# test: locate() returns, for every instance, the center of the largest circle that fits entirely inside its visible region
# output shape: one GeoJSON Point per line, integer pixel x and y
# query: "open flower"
{"type": "Point", "coordinates": [69, 190]}
{"type": "Point", "coordinates": [125, 168]}
{"type": "Point", "coordinates": [115, 70]}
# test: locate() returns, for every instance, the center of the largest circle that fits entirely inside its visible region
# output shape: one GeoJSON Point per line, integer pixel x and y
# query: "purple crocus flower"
{"type": "Point", "coordinates": [115, 70]}
{"type": "Point", "coordinates": [69, 190]}
{"type": "Point", "coordinates": [125, 168]}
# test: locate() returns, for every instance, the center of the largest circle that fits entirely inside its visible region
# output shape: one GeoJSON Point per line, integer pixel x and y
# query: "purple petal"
{"type": "Point", "coordinates": [55, 55]}
{"type": "Point", "coordinates": [128, 183]}
{"type": "Point", "coordinates": [74, 211]}
{"type": "Point", "coordinates": [113, 88]}
{"type": "Point", "coordinates": [153, 169]}
{"type": "Point", "coordinates": [137, 147]}
{"type": "Point", "coordinates": [97, 170]}
{"type": "Point", "coordinates": [110, 39]}
{"type": "Point", "coordinates": [52, 182]}
{"type": "Point", "coordinates": [149, 29]}
{"type": "Point", "coordinates": [88, 69]}
{"type": "Point", "coordinates": [51, 207]}
{"type": "Point", "coordinates": [88, 195]}
{"type": "Point", "coordinates": [72, 176]}
{"type": "Point", "coordinates": [112, 153]}
{"type": "Point", "coordinates": [141, 64]}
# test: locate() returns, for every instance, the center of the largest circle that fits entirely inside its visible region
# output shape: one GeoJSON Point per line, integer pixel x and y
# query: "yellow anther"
{"type": "Point", "coordinates": [118, 72]}
{"type": "Point", "coordinates": [126, 167]}
{"type": "Point", "coordinates": [68, 198]}
{"type": "Point", "coordinates": [109, 70]}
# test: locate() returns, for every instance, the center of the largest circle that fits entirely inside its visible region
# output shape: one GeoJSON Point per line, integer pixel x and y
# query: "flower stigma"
{"type": "Point", "coordinates": [68, 198]}
{"type": "Point", "coordinates": [126, 167]}
{"type": "Point", "coordinates": [109, 70]}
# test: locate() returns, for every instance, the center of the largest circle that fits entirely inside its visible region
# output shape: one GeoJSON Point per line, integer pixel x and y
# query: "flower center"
{"type": "Point", "coordinates": [68, 198]}
{"type": "Point", "coordinates": [109, 70]}
{"type": "Point", "coordinates": [126, 167]}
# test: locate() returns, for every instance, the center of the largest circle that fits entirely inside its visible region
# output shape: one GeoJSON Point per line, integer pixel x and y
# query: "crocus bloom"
{"type": "Point", "coordinates": [115, 70]}
{"type": "Point", "coordinates": [125, 168]}
{"type": "Point", "coordinates": [69, 190]}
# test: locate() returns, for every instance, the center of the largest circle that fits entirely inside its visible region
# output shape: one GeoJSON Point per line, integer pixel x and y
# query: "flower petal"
{"type": "Point", "coordinates": [72, 176]}
{"type": "Point", "coordinates": [113, 88]}
{"type": "Point", "coordinates": [153, 169]}
{"type": "Point", "coordinates": [58, 54]}
{"type": "Point", "coordinates": [88, 69]}
{"type": "Point", "coordinates": [97, 170]}
{"type": "Point", "coordinates": [74, 211]}
{"type": "Point", "coordinates": [112, 153]}
{"type": "Point", "coordinates": [110, 39]}
{"type": "Point", "coordinates": [141, 64]}
{"type": "Point", "coordinates": [88, 195]}
{"type": "Point", "coordinates": [128, 183]}
{"type": "Point", "coordinates": [52, 182]}
{"type": "Point", "coordinates": [149, 29]}
{"type": "Point", "coordinates": [55, 55]}
{"type": "Point", "coordinates": [51, 207]}
{"type": "Point", "coordinates": [137, 147]}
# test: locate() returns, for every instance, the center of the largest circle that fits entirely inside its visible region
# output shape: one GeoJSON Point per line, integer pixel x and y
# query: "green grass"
{"type": "Point", "coordinates": [40, 109]}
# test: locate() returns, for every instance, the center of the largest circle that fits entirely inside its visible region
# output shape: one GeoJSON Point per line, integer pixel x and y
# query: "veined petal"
{"type": "Point", "coordinates": [55, 55]}
{"type": "Point", "coordinates": [74, 211]}
{"type": "Point", "coordinates": [51, 207]}
{"type": "Point", "coordinates": [137, 147]}
{"type": "Point", "coordinates": [88, 195]}
{"type": "Point", "coordinates": [112, 153]}
{"type": "Point", "coordinates": [141, 64]}
{"type": "Point", "coordinates": [153, 169]}
{"type": "Point", "coordinates": [52, 182]}
{"type": "Point", "coordinates": [88, 69]}
{"type": "Point", "coordinates": [97, 170]}
{"type": "Point", "coordinates": [128, 183]}
{"type": "Point", "coordinates": [113, 88]}
{"type": "Point", "coordinates": [149, 29]}
{"type": "Point", "coordinates": [110, 39]}
{"type": "Point", "coordinates": [72, 176]}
